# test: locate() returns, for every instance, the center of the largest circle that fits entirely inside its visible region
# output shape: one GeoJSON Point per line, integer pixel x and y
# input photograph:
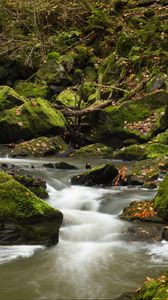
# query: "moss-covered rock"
{"type": "Point", "coordinates": [32, 90]}
{"type": "Point", "coordinates": [57, 69]}
{"type": "Point", "coordinates": [66, 98]}
{"type": "Point", "coordinates": [153, 150]}
{"type": "Point", "coordinates": [9, 98]}
{"type": "Point", "coordinates": [153, 289]}
{"type": "Point", "coordinates": [32, 118]}
{"type": "Point", "coordinates": [133, 152]}
{"type": "Point", "coordinates": [35, 184]}
{"type": "Point", "coordinates": [102, 175]}
{"type": "Point", "coordinates": [162, 138]}
{"type": "Point", "coordinates": [34, 221]}
{"type": "Point", "coordinates": [161, 199]}
{"type": "Point", "coordinates": [41, 146]}
{"type": "Point", "coordinates": [138, 118]}
{"type": "Point", "coordinates": [148, 170]}
{"type": "Point", "coordinates": [139, 152]}
{"type": "Point", "coordinates": [93, 150]}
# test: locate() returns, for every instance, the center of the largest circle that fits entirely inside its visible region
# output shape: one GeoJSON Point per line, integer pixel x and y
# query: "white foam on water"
{"type": "Point", "coordinates": [10, 253]}
{"type": "Point", "coordinates": [159, 252]}
{"type": "Point", "coordinates": [75, 197]}
{"type": "Point", "coordinates": [88, 225]}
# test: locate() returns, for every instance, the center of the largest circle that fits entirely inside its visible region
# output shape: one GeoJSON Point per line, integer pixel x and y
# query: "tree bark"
{"type": "Point", "coordinates": [77, 113]}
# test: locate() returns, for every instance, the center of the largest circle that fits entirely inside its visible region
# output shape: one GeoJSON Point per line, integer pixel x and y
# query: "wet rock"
{"type": "Point", "coordinates": [49, 165]}
{"type": "Point", "coordinates": [42, 146]}
{"type": "Point", "coordinates": [146, 224]}
{"type": "Point", "coordinates": [102, 175]}
{"type": "Point", "coordinates": [165, 233]}
{"type": "Point", "coordinates": [141, 210]}
{"type": "Point", "coordinates": [125, 296]}
{"type": "Point", "coordinates": [24, 218]}
{"type": "Point", "coordinates": [65, 166]}
{"type": "Point", "coordinates": [133, 180]}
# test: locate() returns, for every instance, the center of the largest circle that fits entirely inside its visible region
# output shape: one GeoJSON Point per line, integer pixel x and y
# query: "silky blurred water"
{"type": "Point", "coordinates": [93, 259]}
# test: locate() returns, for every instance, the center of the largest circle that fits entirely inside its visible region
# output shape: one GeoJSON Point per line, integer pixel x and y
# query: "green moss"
{"type": "Point", "coordinates": [33, 117]}
{"type": "Point", "coordinates": [34, 220]}
{"type": "Point", "coordinates": [18, 203]}
{"type": "Point", "coordinates": [99, 19]}
{"type": "Point", "coordinates": [127, 116]}
{"type": "Point", "coordinates": [153, 150]}
{"type": "Point", "coordinates": [67, 98]}
{"type": "Point", "coordinates": [161, 199]}
{"type": "Point", "coordinates": [9, 98]}
{"type": "Point", "coordinates": [162, 138]}
{"type": "Point", "coordinates": [124, 45]}
{"type": "Point", "coordinates": [87, 90]}
{"type": "Point", "coordinates": [133, 152]}
{"type": "Point", "coordinates": [35, 184]}
{"type": "Point", "coordinates": [94, 150]}
{"type": "Point", "coordinates": [139, 152]}
{"type": "Point", "coordinates": [154, 289]}
{"type": "Point", "coordinates": [32, 90]}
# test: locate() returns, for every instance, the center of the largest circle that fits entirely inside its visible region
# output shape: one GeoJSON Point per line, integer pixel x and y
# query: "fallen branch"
{"type": "Point", "coordinates": [137, 89]}
{"type": "Point", "coordinates": [77, 113]}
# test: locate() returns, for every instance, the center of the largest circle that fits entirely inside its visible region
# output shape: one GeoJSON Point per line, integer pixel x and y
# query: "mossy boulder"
{"type": "Point", "coordinates": [41, 146]}
{"type": "Point", "coordinates": [153, 289]}
{"type": "Point", "coordinates": [93, 150]}
{"type": "Point", "coordinates": [162, 138]}
{"type": "Point", "coordinates": [66, 98]}
{"type": "Point", "coordinates": [54, 71]}
{"type": "Point", "coordinates": [149, 170]}
{"type": "Point", "coordinates": [102, 175]}
{"type": "Point", "coordinates": [161, 199]}
{"type": "Point", "coordinates": [32, 118]}
{"type": "Point", "coordinates": [137, 118]}
{"type": "Point", "coordinates": [133, 152]}
{"type": "Point", "coordinates": [139, 152]}
{"type": "Point", "coordinates": [9, 98]}
{"type": "Point", "coordinates": [24, 216]}
{"type": "Point", "coordinates": [153, 150]}
{"type": "Point", "coordinates": [32, 90]}
{"type": "Point", "coordinates": [35, 184]}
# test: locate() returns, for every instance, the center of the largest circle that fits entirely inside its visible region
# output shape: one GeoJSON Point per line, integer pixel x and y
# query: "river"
{"type": "Point", "coordinates": [94, 259]}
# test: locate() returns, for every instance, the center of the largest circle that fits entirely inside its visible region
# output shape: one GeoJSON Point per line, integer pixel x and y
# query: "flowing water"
{"type": "Point", "coordinates": [94, 259]}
